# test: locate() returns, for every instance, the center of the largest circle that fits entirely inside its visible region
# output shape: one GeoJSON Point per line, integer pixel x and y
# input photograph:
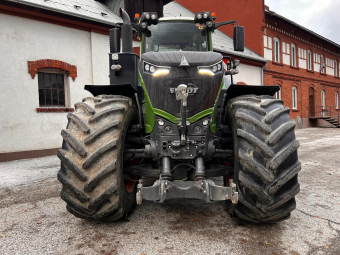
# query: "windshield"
{"type": "Point", "coordinates": [175, 36]}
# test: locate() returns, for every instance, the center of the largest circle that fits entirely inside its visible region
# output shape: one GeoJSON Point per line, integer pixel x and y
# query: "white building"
{"type": "Point", "coordinates": [49, 50]}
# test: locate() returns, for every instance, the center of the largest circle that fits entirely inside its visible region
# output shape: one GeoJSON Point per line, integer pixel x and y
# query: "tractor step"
{"type": "Point", "coordinates": [203, 189]}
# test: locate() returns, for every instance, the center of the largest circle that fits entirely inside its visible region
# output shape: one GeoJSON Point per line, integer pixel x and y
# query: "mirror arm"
{"type": "Point", "coordinates": [218, 24]}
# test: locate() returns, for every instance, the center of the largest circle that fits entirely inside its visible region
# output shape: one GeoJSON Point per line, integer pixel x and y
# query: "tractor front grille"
{"type": "Point", "coordinates": [159, 90]}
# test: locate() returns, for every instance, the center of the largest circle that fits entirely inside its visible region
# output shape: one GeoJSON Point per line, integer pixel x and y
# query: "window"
{"type": "Point", "coordinates": [336, 74]}
{"type": "Point", "coordinates": [51, 89]}
{"type": "Point", "coordinates": [322, 65]}
{"type": "Point", "coordinates": [294, 97]}
{"type": "Point", "coordinates": [278, 94]}
{"type": "Point", "coordinates": [337, 100]}
{"type": "Point", "coordinates": [293, 63]}
{"type": "Point", "coordinates": [276, 49]}
{"type": "Point", "coordinates": [323, 99]}
{"type": "Point", "coordinates": [179, 36]}
{"type": "Point", "coordinates": [310, 60]}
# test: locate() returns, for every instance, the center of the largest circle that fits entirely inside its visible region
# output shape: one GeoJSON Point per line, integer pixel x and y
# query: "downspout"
{"type": "Point", "coordinates": [262, 69]}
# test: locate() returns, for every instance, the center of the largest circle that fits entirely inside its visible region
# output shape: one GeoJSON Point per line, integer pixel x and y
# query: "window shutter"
{"type": "Point", "coordinates": [265, 41]}
{"type": "Point", "coordinates": [269, 42]}
{"type": "Point", "coordinates": [283, 47]}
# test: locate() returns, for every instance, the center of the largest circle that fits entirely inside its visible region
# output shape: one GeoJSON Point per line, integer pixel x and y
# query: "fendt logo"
{"type": "Point", "coordinates": [191, 89]}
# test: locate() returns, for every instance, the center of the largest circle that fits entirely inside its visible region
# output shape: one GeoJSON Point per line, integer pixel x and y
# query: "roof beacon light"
{"type": "Point", "coordinates": [137, 15]}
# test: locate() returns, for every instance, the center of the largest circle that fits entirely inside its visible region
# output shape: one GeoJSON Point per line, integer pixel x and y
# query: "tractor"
{"type": "Point", "coordinates": [171, 116]}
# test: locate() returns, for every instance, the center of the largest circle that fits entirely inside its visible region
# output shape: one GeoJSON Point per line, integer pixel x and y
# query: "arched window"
{"type": "Point", "coordinates": [337, 100]}
{"type": "Point", "coordinates": [336, 74]}
{"type": "Point", "coordinates": [293, 55]}
{"type": "Point", "coordinates": [322, 64]}
{"type": "Point", "coordinates": [294, 97]}
{"type": "Point", "coordinates": [276, 49]}
{"type": "Point", "coordinates": [310, 60]}
{"type": "Point", "coordinates": [278, 94]}
{"type": "Point", "coordinates": [323, 99]}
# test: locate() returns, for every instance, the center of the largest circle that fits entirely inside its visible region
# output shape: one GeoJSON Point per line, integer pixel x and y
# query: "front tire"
{"type": "Point", "coordinates": [266, 161]}
{"type": "Point", "coordinates": [92, 159]}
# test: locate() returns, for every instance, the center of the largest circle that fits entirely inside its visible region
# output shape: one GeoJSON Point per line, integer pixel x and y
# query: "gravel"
{"type": "Point", "coordinates": [34, 220]}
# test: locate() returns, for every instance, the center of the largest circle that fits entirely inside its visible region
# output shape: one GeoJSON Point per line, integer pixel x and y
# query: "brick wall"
{"type": "Point", "coordinates": [249, 13]}
{"type": "Point", "coordinates": [288, 76]}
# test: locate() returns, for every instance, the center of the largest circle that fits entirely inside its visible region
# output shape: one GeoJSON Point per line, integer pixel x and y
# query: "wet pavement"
{"type": "Point", "coordinates": [34, 220]}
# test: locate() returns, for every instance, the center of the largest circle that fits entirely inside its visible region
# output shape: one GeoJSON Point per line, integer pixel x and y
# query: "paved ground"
{"type": "Point", "coordinates": [33, 219]}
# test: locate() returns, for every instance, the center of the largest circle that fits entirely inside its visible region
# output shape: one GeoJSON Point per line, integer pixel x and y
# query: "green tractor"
{"type": "Point", "coordinates": [175, 117]}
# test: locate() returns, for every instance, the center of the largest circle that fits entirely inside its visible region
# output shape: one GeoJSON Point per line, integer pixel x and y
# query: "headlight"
{"type": "Point", "coordinates": [156, 70]}
{"type": "Point", "coordinates": [210, 70]}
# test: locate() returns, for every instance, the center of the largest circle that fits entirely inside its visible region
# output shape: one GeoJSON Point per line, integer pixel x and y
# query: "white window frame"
{"type": "Point", "coordinates": [337, 100]}
{"type": "Point", "coordinates": [336, 74]}
{"type": "Point", "coordinates": [293, 55]}
{"type": "Point", "coordinates": [294, 97]}
{"type": "Point", "coordinates": [276, 49]}
{"type": "Point", "coordinates": [322, 61]}
{"type": "Point", "coordinates": [310, 60]}
{"type": "Point", "coordinates": [323, 99]}
{"type": "Point", "coordinates": [278, 94]}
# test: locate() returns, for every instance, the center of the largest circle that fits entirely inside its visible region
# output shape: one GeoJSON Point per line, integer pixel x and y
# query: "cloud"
{"type": "Point", "coordinates": [322, 17]}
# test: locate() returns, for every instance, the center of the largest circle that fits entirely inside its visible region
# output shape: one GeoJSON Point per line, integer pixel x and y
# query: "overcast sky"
{"type": "Point", "coordinates": [320, 16]}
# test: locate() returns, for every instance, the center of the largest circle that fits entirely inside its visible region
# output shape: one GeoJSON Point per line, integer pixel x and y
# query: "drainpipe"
{"type": "Point", "coordinates": [264, 67]}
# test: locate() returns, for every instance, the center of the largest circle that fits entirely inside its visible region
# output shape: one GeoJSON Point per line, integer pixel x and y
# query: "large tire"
{"type": "Point", "coordinates": [265, 159]}
{"type": "Point", "coordinates": [91, 172]}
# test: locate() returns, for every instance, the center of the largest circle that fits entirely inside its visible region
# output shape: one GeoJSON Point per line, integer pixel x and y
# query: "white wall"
{"type": "Point", "coordinates": [22, 40]}
{"type": "Point", "coordinates": [250, 75]}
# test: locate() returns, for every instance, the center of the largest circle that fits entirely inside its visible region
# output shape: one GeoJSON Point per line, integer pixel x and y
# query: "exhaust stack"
{"type": "Point", "coordinates": [126, 32]}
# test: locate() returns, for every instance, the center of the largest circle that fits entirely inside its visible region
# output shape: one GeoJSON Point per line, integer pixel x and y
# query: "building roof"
{"type": "Point", "coordinates": [221, 42]}
{"type": "Point", "coordinates": [301, 27]}
{"type": "Point", "coordinates": [86, 9]}
{"type": "Point", "coordinates": [99, 12]}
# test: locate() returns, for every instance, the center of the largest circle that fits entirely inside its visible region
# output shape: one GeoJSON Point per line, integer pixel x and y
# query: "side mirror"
{"type": "Point", "coordinates": [238, 38]}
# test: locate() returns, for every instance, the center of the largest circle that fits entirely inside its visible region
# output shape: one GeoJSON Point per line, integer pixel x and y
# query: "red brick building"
{"type": "Point", "coordinates": [303, 63]}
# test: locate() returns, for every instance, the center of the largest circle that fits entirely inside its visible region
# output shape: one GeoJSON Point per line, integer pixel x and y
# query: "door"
{"type": "Point", "coordinates": [311, 103]}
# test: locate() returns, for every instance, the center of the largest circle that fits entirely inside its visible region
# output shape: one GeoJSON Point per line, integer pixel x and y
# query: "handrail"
{"type": "Point", "coordinates": [327, 111]}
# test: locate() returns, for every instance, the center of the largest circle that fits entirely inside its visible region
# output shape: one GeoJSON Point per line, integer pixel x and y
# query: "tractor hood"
{"type": "Point", "coordinates": [174, 58]}
{"type": "Point", "coordinates": [183, 70]}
